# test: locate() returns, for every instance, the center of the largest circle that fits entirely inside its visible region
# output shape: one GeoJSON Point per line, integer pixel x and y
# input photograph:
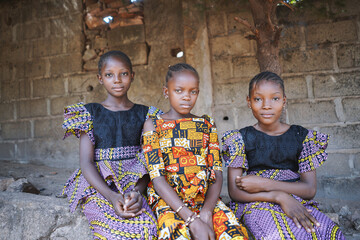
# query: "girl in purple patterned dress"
{"type": "Point", "coordinates": [274, 198]}
{"type": "Point", "coordinates": [111, 181]}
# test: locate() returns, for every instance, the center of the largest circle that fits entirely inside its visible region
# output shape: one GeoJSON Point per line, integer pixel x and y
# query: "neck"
{"type": "Point", "coordinates": [270, 129]}
{"type": "Point", "coordinates": [174, 115]}
{"type": "Point", "coordinates": [118, 103]}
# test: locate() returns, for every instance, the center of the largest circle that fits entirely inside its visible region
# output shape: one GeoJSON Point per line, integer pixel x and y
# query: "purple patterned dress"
{"type": "Point", "coordinates": [116, 138]}
{"type": "Point", "coordinates": [280, 158]}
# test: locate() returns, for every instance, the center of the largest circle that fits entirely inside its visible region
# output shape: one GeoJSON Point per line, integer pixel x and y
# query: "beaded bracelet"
{"type": "Point", "coordinates": [179, 209]}
{"type": "Point", "coordinates": [191, 219]}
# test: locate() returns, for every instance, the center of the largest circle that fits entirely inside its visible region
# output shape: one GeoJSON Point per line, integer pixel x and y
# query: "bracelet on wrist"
{"type": "Point", "coordinates": [191, 218]}
{"type": "Point", "coordinates": [179, 208]}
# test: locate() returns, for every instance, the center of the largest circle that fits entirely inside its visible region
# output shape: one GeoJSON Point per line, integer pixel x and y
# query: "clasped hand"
{"type": "Point", "coordinates": [128, 205]}
{"type": "Point", "coordinates": [202, 228]}
{"type": "Point", "coordinates": [251, 183]}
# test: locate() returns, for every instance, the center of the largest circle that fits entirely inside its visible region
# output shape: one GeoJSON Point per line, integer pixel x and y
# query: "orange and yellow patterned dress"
{"type": "Point", "coordinates": [186, 153]}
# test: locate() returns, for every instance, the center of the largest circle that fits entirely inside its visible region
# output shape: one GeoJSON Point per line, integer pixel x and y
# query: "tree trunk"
{"type": "Point", "coordinates": [267, 34]}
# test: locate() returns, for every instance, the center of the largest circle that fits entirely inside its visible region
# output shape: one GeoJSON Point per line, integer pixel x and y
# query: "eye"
{"type": "Point", "coordinates": [194, 92]}
{"type": "Point", "coordinates": [178, 90]}
{"type": "Point", "coordinates": [257, 99]}
{"type": "Point", "coordinates": [125, 74]}
{"type": "Point", "coordinates": [108, 74]}
{"type": "Point", "coordinates": [276, 98]}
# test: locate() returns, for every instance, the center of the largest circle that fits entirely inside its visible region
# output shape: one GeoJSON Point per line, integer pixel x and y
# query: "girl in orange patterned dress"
{"type": "Point", "coordinates": [182, 154]}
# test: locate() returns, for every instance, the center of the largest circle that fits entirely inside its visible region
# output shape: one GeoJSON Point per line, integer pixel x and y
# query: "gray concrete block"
{"type": "Point", "coordinates": [7, 151]}
{"type": "Point", "coordinates": [348, 55]}
{"type": "Point", "coordinates": [317, 112]}
{"type": "Point", "coordinates": [245, 67]}
{"type": "Point", "coordinates": [57, 104]}
{"type": "Point", "coordinates": [343, 137]}
{"type": "Point", "coordinates": [217, 24]}
{"type": "Point", "coordinates": [235, 44]}
{"type": "Point", "coordinates": [74, 43]}
{"type": "Point", "coordinates": [337, 165]}
{"type": "Point", "coordinates": [66, 26]}
{"type": "Point", "coordinates": [63, 64]}
{"type": "Point", "coordinates": [291, 37]}
{"type": "Point", "coordinates": [339, 31]}
{"type": "Point", "coordinates": [126, 35]}
{"type": "Point", "coordinates": [48, 47]}
{"type": "Point", "coordinates": [309, 60]}
{"type": "Point", "coordinates": [231, 93]}
{"type": "Point", "coordinates": [15, 130]}
{"type": "Point", "coordinates": [295, 87]}
{"type": "Point", "coordinates": [234, 26]}
{"type": "Point", "coordinates": [221, 69]}
{"type": "Point", "coordinates": [50, 152]}
{"type": "Point", "coordinates": [47, 87]}
{"type": "Point", "coordinates": [137, 52]}
{"type": "Point", "coordinates": [35, 68]}
{"type": "Point", "coordinates": [82, 83]}
{"type": "Point", "coordinates": [351, 109]}
{"type": "Point", "coordinates": [48, 128]}
{"type": "Point", "coordinates": [32, 108]}
{"type": "Point", "coordinates": [163, 17]}
{"type": "Point", "coordinates": [337, 85]}
{"type": "Point", "coordinates": [334, 187]}
{"type": "Point", "coordinates": [7, 111]}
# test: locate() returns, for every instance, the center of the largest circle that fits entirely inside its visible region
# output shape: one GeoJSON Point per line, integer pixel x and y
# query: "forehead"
{"type": "Point", "coordinates": [266, 86]}
{"type": "Point", "coordinates": [185, 78]}
{"type": "Point", "coordinates": [115, 61]}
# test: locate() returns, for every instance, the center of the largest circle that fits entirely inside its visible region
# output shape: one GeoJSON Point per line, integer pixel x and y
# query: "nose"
{"type": "Point", "coordinates": [266, 104]}
{"type": "Point", "coordinates": [117, 78]}
{"type": "Point", "coordinates": [186, 96]}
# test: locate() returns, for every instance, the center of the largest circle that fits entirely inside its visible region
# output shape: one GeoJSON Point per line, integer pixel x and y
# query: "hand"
{"type": "Point", "coordinates": [206, 217]}
{"type": "Point", "coordinates": [251, 183]}
{"type": "Point", "coordinates": [297, 212]}
{"type": "Point", "coordinates": [133, 202]}
{"type": "Point", "coordinates": [118, 202]}
{"type": "Point", "coordinates": [201, 231]}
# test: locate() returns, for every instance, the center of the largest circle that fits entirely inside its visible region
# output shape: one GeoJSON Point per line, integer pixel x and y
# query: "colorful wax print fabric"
{"type": "Point", "coordinates": [116, 138]}
{"type": "Point", "coordinates": [186, 153]}
{"type": "Point", "coordinates": [296, 151]}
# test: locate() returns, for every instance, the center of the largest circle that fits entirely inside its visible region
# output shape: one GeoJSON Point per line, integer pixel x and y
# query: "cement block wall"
{"type": "Point", "coordinates": [42, 69]}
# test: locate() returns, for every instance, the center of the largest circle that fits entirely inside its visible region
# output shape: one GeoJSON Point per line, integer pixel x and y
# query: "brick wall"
{"type": "Point", "coordinates": [320, 61]}
{"type": "Point", "coordinates": [47, 62]}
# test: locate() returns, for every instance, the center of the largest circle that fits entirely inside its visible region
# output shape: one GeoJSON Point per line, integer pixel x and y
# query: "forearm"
{"type": "Point", "coordinates": [213, 193]}
{"type": "Point", "coordinates": [244, 197]}
{"type": "Point", "coordinates": [169, 195]}
{"type": "Point", "coordinates": [142, 184]}
{"type": "Point", "coordinates": [93, 177]}
{"type": "Point", "coordinates": [301, 189]}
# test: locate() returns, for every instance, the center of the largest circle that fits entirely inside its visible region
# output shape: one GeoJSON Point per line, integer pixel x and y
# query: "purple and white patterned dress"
{"type": "Point", "coordinates": [280, 158]}
{"type": "Point", "coordinates": [115, 136]}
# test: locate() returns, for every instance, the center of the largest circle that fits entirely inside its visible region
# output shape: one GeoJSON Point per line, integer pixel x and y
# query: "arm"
{"type": "Point", "coordinates": [305, 188]}
{"type": "Point", "coordinates": [93, 177]}
{"type": "Point", "coordinates": [291, 207]}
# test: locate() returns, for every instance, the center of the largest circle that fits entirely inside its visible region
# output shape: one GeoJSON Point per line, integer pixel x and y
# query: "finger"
{"type": "Point", "coordinates": [131, 202]}
{"type": "Point", "coordinates": [121, 199]}
{"type": "Point", "coordinates": [134, 207]}
{"type": "Point", "coordinates": [313, 220]}
{"type": "Point", "coordinates": [296, 222]}
{"type": "Point", "coordinates": [304, 221]}
{"type": "Point", "coordinates": [212, 235]}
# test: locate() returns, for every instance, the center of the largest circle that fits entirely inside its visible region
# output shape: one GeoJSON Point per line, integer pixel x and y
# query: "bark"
{"type": "Point", "coordinates": [266, 32]}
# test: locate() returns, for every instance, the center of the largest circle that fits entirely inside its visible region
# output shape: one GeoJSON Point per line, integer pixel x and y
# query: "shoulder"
{"type": "Point", "coordinates": [149, 125]}
{"type": "Point", "coordinates": [76, 109]}
{"type": "Point", "coordinates": [232, 135]}
{"type": "Point", "coordinates": [209, 119]}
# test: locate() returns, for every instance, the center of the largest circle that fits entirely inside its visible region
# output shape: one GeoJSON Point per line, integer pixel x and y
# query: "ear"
{"type": "Point", "coordinates": [132, 76]}
{"type": "Point", "coordinates": [248, 101]}
{"type": "Point", "coordinates": [100, 79]}
{"type": "Point", "coordinates": [165, 92]}
{"type": "Point", "coordinates": [284, 101]}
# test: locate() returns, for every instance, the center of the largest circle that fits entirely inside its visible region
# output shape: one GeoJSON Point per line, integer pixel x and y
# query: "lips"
{"type": "Point", "coordinates": [117, 88]}
{"type": "Point", "coordinates": [267, 115]}
{"type": "Point", "coordinates": [185, 105]}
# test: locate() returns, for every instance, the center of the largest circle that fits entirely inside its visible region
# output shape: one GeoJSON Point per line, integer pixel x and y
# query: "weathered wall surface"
{"type": "Point", "coordinates": [49, 59]}
{"type": "Point", "coordinates": [320, 61]}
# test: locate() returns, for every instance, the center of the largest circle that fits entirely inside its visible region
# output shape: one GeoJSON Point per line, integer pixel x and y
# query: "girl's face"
{"type": "Point", "coordinates": [116, 77]}
{"type": "Point", "coordinates": [182, 90]}
{"type": "Point", "coordinates": [267, 101]}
